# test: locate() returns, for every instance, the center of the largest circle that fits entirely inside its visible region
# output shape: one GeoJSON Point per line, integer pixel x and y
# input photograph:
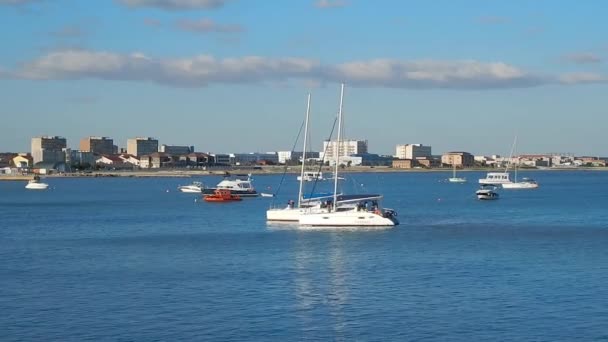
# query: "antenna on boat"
{"type": "Point", "coordinates": [304, 152]}
{"type": "Point", "coordinates": [337, 150]}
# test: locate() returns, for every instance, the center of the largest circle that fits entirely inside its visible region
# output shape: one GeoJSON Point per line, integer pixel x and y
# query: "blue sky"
{"type": "Point", "coordinates": [233, 75]}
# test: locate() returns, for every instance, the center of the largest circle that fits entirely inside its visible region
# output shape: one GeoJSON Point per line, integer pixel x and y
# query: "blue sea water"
{"type": "Point", "coordinates": [132, 259]}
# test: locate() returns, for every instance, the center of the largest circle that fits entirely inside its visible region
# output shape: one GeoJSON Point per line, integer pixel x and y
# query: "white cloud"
{"type": "Point", "coordinates": [583, 58]}
{"type": "Point", "coordinates": [175, 4]}
{"type": "Point", "coordinates": [492, 20]}
{"type": "Point", "coordinates": [17, 2]}
{"type": "Point", "coordinates": [195, 71]}
{"type": "Point", "coordinates": [206, 26]}
{"type": "Point", "coordinates": [434, 74]}
{"type": "Point", "coordinates": [330, 3]}
{"type": "Point", "coordinates": [582, 77]}
{"type": "Point", "coordinates": [203, 70]}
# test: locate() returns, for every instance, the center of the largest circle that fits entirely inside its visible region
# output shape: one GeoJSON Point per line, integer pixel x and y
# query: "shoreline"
{"type": "Point", "coordinates": [267, 171]}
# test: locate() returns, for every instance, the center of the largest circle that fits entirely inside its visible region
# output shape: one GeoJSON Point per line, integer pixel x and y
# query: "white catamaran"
{"type": "Point", "coordinates": [349, 210]}
{"type": "Point", "coordinates": [292, 212]}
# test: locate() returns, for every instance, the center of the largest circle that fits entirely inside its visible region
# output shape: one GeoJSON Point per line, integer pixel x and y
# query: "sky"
{"type": "Point", "coordinates": [233, 75]}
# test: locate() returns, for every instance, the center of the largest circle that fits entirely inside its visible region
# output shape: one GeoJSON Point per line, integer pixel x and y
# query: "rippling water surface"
{"type": "Point", "coordinates": [133, 259]}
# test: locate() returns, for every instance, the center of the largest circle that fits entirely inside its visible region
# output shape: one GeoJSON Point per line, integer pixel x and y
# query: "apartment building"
{"type": "Point", "coordinates": [460, 159]}
{"type": "Point", "coordinates": [97, 145]}
{"type": "Point", "coordinates": [413, 151]}
{"type": "Point", "coordinates": [176, 150]}
{"type": "Point", "coordinates": [48, 149]}
{"type": "Point", "coordinates": [142, 146]}
{"type": "Point", "coordinates": [346, 148]}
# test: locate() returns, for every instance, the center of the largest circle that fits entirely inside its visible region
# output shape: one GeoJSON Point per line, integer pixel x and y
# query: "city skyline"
{"type": "Point", "coordinates": [457, 76]}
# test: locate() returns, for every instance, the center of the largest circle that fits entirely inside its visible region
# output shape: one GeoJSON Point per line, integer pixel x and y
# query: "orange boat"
{"type": "Point", "coordinates": [222, 195]}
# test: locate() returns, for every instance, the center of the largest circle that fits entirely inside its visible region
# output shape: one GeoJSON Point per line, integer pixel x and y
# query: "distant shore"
{"type": "Point", "coordinates": [267, 170]}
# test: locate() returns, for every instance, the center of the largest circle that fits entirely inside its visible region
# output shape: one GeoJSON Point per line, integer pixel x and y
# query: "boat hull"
{"type": "Point", "coordinates": [347, 219]}
{"type": "Point", "coordinates": [284, 214]}
{"type": "Point", "coordinates": [493, 182]}
{"type": "Point", "coordinates": [220, 199]}
{"type": "Point", "coordinates": [457, 180]}
{"type": "Point", "coordinates": [486, 195]}
{"type": "Point", "coordinates": [37, 186]}
{"type": "Point", "coordinates": [291, 214]}
{"type": "Point", "coordinates": [211, 191]}
{"type": "Point", "coordinates": [190, 190]}
{"type": "Point", "coordinates": [520, 186]}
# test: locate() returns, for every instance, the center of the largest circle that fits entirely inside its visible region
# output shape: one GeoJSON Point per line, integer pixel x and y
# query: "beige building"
{"type": "Point", "coordinates": [403, 164]}
{"type": "Point", "coordinates": [97, 145]}
{"type": "Point", "coordinates": [413, 151]}
{"type": "Point", "coordinates": [142, 146]}
{"type": "Point", "coordinates": [48, 149]}
{"type": "Point", "coordinates": [460, 159]}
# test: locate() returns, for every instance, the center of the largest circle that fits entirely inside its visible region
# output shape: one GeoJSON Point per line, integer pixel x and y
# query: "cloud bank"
{"type": "Point", "coordinates": [583, 58]}
{"type": "Point", "coordinates": [330, 3]}
{"type": "Point", "coordinates": [173, 4]}
{"type": "Point", "coordinates": [206, 26]}
{"type": "Point", "coordinates": [204, 70]}
{"type": "Point", "coordinates": [17, 2]}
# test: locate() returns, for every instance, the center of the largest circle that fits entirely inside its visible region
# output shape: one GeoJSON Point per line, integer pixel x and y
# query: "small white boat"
{"type": "Point", "coordinates": [455, 179]}
{"type": "Point", "coordinates": [36, 184]}
{"type": "Point", "coordinates": [265, 194]}
{"type": "Point", "coordinates": [525, 183]}
{"type": "Point", "coordinates": [195, 187]}
{"type": "Point", "coordinates": [487, 192]}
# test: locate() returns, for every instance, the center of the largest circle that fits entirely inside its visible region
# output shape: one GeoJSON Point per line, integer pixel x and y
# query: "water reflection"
{"type": "Point", "coordinates": [321, 281]}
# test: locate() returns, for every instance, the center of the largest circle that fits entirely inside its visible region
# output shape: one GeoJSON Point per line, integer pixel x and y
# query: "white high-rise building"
{"type": "Point", "coordinates": [413, 151]}
{"type": "Point", "coordinates": [347, 148]}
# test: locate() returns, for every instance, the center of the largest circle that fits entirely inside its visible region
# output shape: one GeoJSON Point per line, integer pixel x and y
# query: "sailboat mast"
{"type": "Point", "coordinates": [337, 148]}
{"type": "Point", "coordinates": [511, 155]}
{"type": "Point", "coordinates": [304, 151]}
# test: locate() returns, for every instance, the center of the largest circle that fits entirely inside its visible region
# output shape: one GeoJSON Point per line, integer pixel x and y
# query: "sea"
{"type": "Point", "coordinates": [133, 259]}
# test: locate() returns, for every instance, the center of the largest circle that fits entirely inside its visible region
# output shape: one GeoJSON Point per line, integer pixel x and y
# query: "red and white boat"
{"type": "Point", "coordinates": [222, 195]}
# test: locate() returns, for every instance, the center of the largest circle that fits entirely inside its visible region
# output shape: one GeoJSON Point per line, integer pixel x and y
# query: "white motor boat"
{"type": "Point", "coordinates": [487, 192]}
{"type": "Point", "coordinates": [36, 184]}
{"type": "Point", "coordinates": [311, 176]}
{"type": "Point", "coordinates": [238, 185]}
{"type": "Point", "coordinates": [195, 187]}
{"type": "Point", "coordinates": [345, 210]}
{"type": "Point", "coordinates": [495, 178]}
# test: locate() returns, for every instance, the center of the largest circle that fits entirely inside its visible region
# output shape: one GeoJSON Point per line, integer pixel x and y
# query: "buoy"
{"type": "Point", "coordinates": [167, 190]}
